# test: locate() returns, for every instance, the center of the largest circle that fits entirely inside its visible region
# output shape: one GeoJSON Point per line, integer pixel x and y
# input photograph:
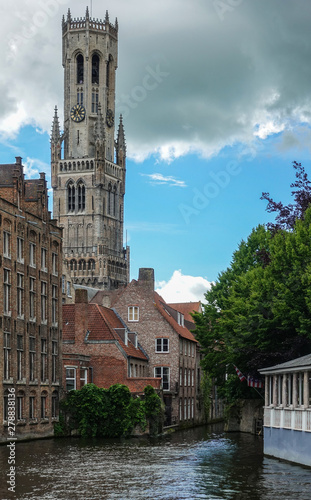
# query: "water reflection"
{"type": "Point", "coordinates": [202, 463]}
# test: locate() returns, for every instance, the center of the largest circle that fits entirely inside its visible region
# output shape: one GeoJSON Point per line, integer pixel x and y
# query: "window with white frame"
{"type": "Point", "coordinates": [162, 345]}
{"type": "Point", "coordinates": [6, 291]}
{"type": "Point", "coordinates": [32, 358]}
{"type": "Point", "coordinates": [43, 302]}
{"type": "Point", "coordinates": [133, 313]}
{"type": "Point", "coordinates": [185, 408]}
{"type": "Point", "coordinates": [180, 346]}
{"type": "Point", "coordinates": [180, 319]}
{"type": "Point", "coordinates": [189, 377]}
{"type": "Point", "coordinates": [32, 254]}
{"type": "Point", "coordinates": [43, 412]}
{"type": "Point", "coordinates": [192, 380]}
{"type": "Point", "coordinates": [20, 406]}
{"type": "Point", "coordinates": [32, 297]}
{"type": "Point", "coordinates": [68, 289]}
{"type": "Point", "coordinates": [20, 357]}
{"type": "Point", "coordinates": [180, 377]}
{"type": "Point", "coordinates": [189, 348]}
{"type": "Point", "coordinates": [63, 283]}
{"type": "Point", "coordinates": [54, 264]}
{"type": "Point", "coordinates": [189, 408]}
{"type": "Point", "coordinates": [70, 379]}
{"type": "Point", "coordinates": [185, 347]}
{"type": "Point", "coordinates": [43, 259]}
{"type": "Point", "coordinates": [83, 377]}
{"type": "Point", "coordinates": [20, 295]}
{"type": "Point", "coordinates": [180, 409]}
{"type": "Point", "coordinates": [6, 244]}
{"type": "Point", "coordinates": [164, 373]}
{"type": "Point", "coordinates": [54, 360]}
{"type": "Point", "coordinates": [54, 305]}
{"type": "Point", "coordinates": [193, 349]}
{"type": "Point", "coordinates": [185, 377]}
{"type": "Point", "coordinates": [32, 400]}
{"type": "Point", "coordinates": [192, 408]}
{"type": "Point", "coordinates": [54, 404]}
{"type": "Point", "coordinates": [7, 355]}
{"type": "Point", "coordinates": [43, 360]}
{"type": "Point", "coordinates": [20, 250]}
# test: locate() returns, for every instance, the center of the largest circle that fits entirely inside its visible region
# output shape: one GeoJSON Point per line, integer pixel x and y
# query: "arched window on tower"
{"type": "Point", "coordinates": [80, 68]}
{"type": "Point", "coordinates": [91, 264]}
{"type": "Point", "coordinates": [73, 265]}
{"type": "Point", "coordinates": [81, 197]}
{"type": "Point", "coordinates": [71, 197]}
{"type": "Point", "coordinates": [95, 69]}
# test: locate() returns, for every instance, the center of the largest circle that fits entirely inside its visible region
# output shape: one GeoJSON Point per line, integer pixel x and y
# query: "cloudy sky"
{"type": "Point", "coordinates": [216, 99]}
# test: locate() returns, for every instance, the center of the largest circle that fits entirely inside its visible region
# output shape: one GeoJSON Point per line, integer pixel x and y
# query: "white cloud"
{"type": "Point", "coordinates": [183, 288]}
{"type": "Point", "coordinates": [161, 179]}
{"type": "Point", "coordinates": [246, 76]}
{"type": "Point", "coordinates": [33, 167]}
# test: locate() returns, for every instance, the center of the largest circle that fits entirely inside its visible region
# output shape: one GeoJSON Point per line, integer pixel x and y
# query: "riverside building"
{"type": "Point", "coordinates": [30, 306]}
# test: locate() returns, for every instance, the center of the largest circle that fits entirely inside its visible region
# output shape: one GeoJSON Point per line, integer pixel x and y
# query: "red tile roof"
{"type": "Point", "coordinates": [101, 325]}
{"type": "Point", "coordinates": [186, 308]}
{"type": "Point", "coordinates": [181, 330]}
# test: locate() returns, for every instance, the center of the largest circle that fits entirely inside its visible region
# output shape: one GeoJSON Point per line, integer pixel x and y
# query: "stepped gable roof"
{"type": "Point", "coordinates": [304, 362]}
{"type": "Point", "coordinates": [102, 323]}
{"type": "Point", "coordinates": [186, 308]}
{"type": "Point", "coordinates": [32, 189]}
{"type": "Point", "coordinates": [6, 173]}
{"type": "Point", "coordinates": [181, 330]}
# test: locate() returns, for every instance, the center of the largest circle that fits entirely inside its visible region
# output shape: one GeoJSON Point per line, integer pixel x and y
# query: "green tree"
{"type": "Point", "coordinates": [258, 312]}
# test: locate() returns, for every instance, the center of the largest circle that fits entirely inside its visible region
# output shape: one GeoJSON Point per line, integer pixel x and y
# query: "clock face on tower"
{"type": "Point", "coordinates": [77, 113]}
{"type": "Point", "coordinates": [109, 117]}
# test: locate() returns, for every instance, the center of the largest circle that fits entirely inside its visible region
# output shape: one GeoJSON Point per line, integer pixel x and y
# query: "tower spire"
{"type": "Point", "coordinates": [69, 16]}
{"type": "Point", "coordinates": [121, 144]}
{"type": "Point", "coordinates": [87, 14]}
{"type": "Point", "coordinates": [55, 136]}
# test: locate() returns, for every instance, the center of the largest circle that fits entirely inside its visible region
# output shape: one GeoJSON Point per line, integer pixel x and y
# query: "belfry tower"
{"type": "Point", "coordinates": [87, 163]}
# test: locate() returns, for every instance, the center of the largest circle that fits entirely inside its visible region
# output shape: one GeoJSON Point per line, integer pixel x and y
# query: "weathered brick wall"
{"type": "Point", "coordinates": [29, 225]}
{"type": "Point", "coordinates": [152, 325]}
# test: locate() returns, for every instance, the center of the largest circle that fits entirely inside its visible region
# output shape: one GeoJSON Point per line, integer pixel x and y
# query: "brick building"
{"type": "Point", "coordinates": [99, 348]}
{"type": "Point", "coordinates": [171, 348]}
{"type": "Point", "coordinates": [30, 304]}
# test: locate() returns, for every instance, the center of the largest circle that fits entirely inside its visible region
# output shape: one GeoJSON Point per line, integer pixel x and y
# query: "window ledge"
{"type": "Point", "coordinates": [21, 317]}
{"type": "Point", "coordinates": [7, 313]}
{"type": "Point", "coordinates": [33, 320]}
{"type": "Point", "coordinates": [8, 380]}
{"type": "Point", "coordinates": [44, 322]}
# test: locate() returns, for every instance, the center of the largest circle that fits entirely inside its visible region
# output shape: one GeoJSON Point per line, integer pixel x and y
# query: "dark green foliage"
{"type": "Point", "coordinates": [154, 411]}
{"type": "Point", "coordinates": [112, 412]}
{"type": "Point", "coordinates": [258, 312]}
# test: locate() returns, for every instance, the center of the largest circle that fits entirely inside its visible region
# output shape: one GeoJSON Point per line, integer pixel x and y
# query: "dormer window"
{"type": "Point", "coordinates": [180, 319]}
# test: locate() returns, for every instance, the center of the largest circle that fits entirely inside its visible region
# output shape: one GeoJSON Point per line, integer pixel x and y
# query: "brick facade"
{"type": "Point", "coordinates": [30, 304]}
{"type": "Point", "coordinates": [98, 348]}
{"type": "Point", "coordinates": [171, 348]}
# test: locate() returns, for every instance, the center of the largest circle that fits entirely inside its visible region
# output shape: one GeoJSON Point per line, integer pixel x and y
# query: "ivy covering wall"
{"type": "Point", "coordinates": [113, 412]}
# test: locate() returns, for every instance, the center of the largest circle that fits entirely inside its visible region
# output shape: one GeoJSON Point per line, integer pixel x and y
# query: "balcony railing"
{"type": "Point", "coordinates": [298, 419]}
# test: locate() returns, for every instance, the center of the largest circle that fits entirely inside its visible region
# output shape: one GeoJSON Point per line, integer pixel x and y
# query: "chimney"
{"type": "Point", "coordinates": [81, 315]}
{"type": "Point", "coordinates": [146, 277]}
{"type": "Point", "coordinates": [18, 160]}
{"type": "Point", "coordinates": [81, 296]}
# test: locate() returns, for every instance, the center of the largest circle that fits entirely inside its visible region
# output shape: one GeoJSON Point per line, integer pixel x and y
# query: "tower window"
{"type": "Point", "coordinates": [94, 102]}
{"type": "Point", "coordinates": [95, 69]}
{"type": "Point", "coordinates": [81, 197]}
{"type": "Point", "coordinates": [80, 68]}
{"type": "Point", "coordinates": [80, 97]}
{"type": "Point", "coordinates": [71, 192]}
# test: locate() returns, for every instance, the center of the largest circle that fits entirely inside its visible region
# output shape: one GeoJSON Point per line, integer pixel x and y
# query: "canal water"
{"type": "Point", "coordinates": [201, 463]}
